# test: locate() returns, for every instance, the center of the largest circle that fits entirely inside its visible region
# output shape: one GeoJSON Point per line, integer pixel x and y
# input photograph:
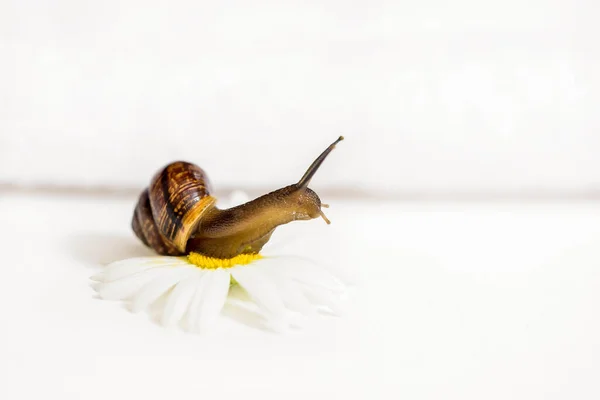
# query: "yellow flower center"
{"type": "Point", "coordinates": [205, 262]}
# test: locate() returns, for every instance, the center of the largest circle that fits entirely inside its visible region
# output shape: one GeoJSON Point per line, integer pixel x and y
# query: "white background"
{"type": "Point", "coordinates": [451, 301]}
{"type": "Point", "coordinates": [433, 96]}
{"type": "Point", "coordinates": [463, 300]}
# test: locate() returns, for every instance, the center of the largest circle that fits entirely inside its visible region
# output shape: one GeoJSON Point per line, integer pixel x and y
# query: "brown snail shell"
{"type": "Point", "coordinates": [169, 211]}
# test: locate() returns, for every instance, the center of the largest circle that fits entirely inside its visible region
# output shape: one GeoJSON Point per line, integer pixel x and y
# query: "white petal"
{"type": "Point", "coordinates": [192, 314]}
{"type": "Point", "coordinates": [158, 286]}
{"type": "Point", "coordinates": [124, 288]}
{"type": "Point", "coordinates": [280, 242]}
{"type": "Point", "coordinates": [338, 275]}
{"type": "Point", "coordinates": [99, 277]}
{"type": "Point", "coordinates": [324, 298]}
{"type": "Point", "coordinates": [121, 269]}
{"type": "Point", "coordinates": [154, 260]}
{"type": "Point", "coordinates": [237, 197]}
{"type": "Point", "coordinates": [292, 296]}
{"type": "Point", "coordinates": [213, 299]}
{"type": "Point", "coordinates": [260, 288]}
{"type": "Point", "coordinates": [302, 270]}
{"type": "Point", "coordinates": [179, 300]}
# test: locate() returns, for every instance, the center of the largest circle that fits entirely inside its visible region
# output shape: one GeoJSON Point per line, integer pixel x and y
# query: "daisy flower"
{"type": "Point", "coordinates": [190, 291]}
{"type": "Point", "coordinates": [195, 287]}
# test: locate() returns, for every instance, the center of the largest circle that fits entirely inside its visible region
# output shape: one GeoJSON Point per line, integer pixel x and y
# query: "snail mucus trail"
{"type": "Point", "coordinates": [177, 215]}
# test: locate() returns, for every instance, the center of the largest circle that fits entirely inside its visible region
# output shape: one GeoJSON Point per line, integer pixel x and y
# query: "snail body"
{"type": "Point", "coordinates": [177, 215]}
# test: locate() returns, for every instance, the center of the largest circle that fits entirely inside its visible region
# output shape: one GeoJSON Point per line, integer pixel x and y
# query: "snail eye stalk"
{"type": "Point", "coordinates": [324, 217]}
{"type": "Point", "coordinates": [310, 172]}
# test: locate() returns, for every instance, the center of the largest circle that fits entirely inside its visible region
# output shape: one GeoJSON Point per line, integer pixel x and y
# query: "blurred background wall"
{"type": "Point", "coordinates": [432, 96]}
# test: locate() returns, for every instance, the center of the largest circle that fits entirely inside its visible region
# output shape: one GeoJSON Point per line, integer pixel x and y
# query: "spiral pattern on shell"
{"type": "Point", "coordinates": [169, 211]}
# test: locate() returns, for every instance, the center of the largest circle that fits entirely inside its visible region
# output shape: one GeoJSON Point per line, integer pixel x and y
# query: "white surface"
{"type": "Point", "coordinates": [432, 95]}
{"type": "Point", "coordinates": [453, 301]}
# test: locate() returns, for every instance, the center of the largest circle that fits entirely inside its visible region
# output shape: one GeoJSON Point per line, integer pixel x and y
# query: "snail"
{"type": "Point", "coordinates": [176, 214]}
